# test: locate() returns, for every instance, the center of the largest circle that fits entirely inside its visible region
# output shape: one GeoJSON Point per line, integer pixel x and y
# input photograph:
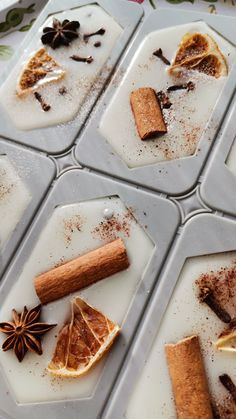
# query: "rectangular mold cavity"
{"type": "Point", "coordinates": [22, 188]}
{"type": "Point", "coordinates": [174, 176]}
{"type": "Point", "coordinates": [79, 197]}
{"type": "Point", "coordinates": [124, 17]}
{"type": "Point", "coordinates": [219, 179]}
{"type": "Point", "coordinates": [207, 244]}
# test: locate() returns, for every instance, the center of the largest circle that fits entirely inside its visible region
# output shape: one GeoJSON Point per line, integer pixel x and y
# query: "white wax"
{"type": "Point", "coordinates": [58, 243]}
{"type": "Point", "coordinates": [189, 113]}
{"type": "Point", "coordinates": [14, 198]}
{"type": "Point", "coordinates": [79, 77]}
{"type": "Point", "coordinates": [152, 396]}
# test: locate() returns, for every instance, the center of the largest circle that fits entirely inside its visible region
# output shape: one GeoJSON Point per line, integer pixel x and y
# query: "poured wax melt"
{"type": "Point", "coordinates": [78, 79]}
{"type": "Point", "coordinates": [71, 231]}
{"type": "Point", "coordinates": [14, 198]}
{"type": "Point", "coordinates": [152, 396]}
{"type": "Point", "coordinates": [189, 112]}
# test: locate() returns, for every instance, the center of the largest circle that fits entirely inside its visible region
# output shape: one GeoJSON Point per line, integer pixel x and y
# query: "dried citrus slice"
{"type": "Point", "coordinates": [40, 69]}
{"type": "Point", "coordinates": [82, 341]}
{"type": "Point", "coordinates": [200, 52]}
{"type": "Point", "coordinates": [192, 45]}
{"type": "Point", "coordinates": [227, 339]}
{"type": "Point", "coordinates": [212, 65]}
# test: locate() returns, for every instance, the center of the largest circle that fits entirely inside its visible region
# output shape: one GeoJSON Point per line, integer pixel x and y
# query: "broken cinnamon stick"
{"type": "Point", "coordinates": [189, 380]}
{"type": "Point", "coordinates": [81, 272]}
{"type": "Point", "coordinates": [147, 113]}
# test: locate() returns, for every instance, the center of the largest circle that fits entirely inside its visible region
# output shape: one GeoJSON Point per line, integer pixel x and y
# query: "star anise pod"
{"type": "Point", "coordinates": [24, 332]}
{"type": "Point", "coordinates": [61, 33]}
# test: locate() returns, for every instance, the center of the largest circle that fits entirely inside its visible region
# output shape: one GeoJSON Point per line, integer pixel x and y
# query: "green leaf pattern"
{"type": "Point", "coordinates": [179, 1]}
{"type": "Point", "coordinates": [6, 52]}
{"type": "Point", "coordinates": [13, 19]}
{"type": "Point", "coordinates": [27, 27]}
{"type": "Point", "coordinates": [15, 16]}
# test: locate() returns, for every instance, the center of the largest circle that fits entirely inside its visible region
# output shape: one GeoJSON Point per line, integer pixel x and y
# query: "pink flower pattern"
{"type": "Point", "coordinates": [138, 1]}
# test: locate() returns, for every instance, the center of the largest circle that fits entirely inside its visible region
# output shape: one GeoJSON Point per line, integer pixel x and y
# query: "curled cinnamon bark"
{"type": "Point", "coordinates": [147, 113]}
{"type": "Point", "coordinates": [81, 272]}
{"type": "Point", "coordinates": [189, 380]}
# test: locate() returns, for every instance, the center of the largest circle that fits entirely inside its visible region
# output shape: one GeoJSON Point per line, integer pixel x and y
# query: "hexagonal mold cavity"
{"type": "Point", "coordinates": [231, 159]}
{"type": "Point", "coordinates": [70, 231]}
{"type": "Point", "coordinates": [14, 199]}
{"type": "Point", "coordinates": [184, 316]}
{"type": "Point", "coordinates": [185, 125]}
{"type": "Point", "coordinates": [64, 106]}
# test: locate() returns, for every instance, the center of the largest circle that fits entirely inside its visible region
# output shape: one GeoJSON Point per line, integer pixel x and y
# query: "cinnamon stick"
{"type": "Point", "coordinates": [81, 272]}
{"type": "Point", "coordinates": [147, 113]}
{"type": "Point", "coordinates": [189, 380]}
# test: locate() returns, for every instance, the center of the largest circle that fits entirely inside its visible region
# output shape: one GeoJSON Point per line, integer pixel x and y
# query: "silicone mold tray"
{"type": "Point", "coordinates": [205, 244]}
{"type": "Point", "coordinates": [173, 216]}
{"type": "Point", "coordinates": [72, 188]}
{"type": "Point", "coordinates": [57, 139]}
{"type": "Point", "coordinates": [22, 193]}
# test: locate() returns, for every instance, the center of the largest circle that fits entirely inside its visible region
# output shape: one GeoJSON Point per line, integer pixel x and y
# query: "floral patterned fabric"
{"type": "Point", "coordinates": [226, 7]}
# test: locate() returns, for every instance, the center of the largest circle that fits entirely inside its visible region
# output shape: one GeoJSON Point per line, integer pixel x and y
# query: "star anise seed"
{"type": "Point", "coordinates": [61, 33]}
{"type": "Point", "coordinates": [24, 332]}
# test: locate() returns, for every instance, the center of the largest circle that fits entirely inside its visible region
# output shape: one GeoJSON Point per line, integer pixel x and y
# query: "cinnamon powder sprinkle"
{"type": "Point", "coordinates": [5, 190]}
{"type": "Point", "coordinates": [225, 409]}
{"type": "Point", "coordinates": [71, 225]}
{"type": "Point", "coordinates": [110, 229]}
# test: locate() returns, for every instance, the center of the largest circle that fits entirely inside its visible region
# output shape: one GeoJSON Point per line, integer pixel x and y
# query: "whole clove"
{"type": "Point", "coordinates": [229, 385]}
{"type": "Point", "coordinates": [87, 60]}
{"type": "Point", "coordinates": [100, 31]}
{"type": "Point", "coordinates": [164, 100]}
{"type": "Point", "coordinates": [62, 90]}
{"type": "Point", "coordinates": [185, 86]}
{"type": "Point", "coordinates": [207, 296]}
{"type": "Point", "coordinates": [45, 107]}
{"type": "Point", "coordinates": [215, 412]}
{"type": "Point", "coordinates": [158, 53]}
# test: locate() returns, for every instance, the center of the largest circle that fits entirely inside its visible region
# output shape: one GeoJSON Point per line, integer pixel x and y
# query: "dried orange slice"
{"type": "Point", "coordinates": [40, 69]}
{"type": "Point", "coordinates": [227, 339]}
{"type": "Point", "coordinates": [82, 341]}
{"type": "Point", "coordinates": [200, 52]}
{"type": "Point", "coordinates": [192, 45]}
